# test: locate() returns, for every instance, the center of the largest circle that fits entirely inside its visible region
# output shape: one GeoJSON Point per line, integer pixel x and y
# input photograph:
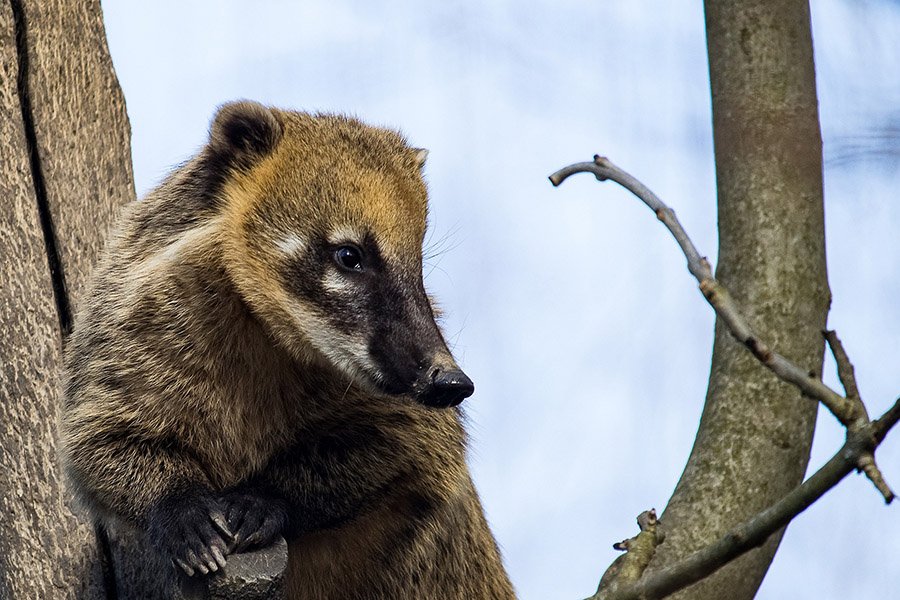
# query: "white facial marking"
{"type": "Point", "coordinates": [345, 233]}
{"type": "Point", "coordinates": [336, 282]}
{"type": "Point", "coordinates": [345, 352]}
{"type": "Point", "coordinates": [292, 244]}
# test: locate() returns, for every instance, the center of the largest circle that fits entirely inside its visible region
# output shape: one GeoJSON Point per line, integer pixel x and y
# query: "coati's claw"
{"type": "Point", "coordinates": [220, 520]}
{"type": "Point", "coordinates": [255, 519]}
{"type": "Point", "coordinates": [198, 564]}
{"type": "Point", "coordinates": [207, 559]}
{"type": "Point", "coordinates": [189, 571]}
{"type": "Point", "coordinates": [217, 554]}
{"type": "Point", "coordinates": [184, 528]}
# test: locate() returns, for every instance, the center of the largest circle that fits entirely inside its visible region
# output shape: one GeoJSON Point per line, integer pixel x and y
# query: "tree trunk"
{"type": "Point", "coordinates": [755, 433]}
{"type": "Point", "coordinates": [66, 168]}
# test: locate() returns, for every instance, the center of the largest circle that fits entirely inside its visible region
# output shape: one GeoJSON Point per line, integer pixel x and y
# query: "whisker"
{"type": "Point", "coordinates": [346, 391]}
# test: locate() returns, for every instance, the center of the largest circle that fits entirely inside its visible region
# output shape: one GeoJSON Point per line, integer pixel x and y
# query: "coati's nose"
{"type": "Point", "coordinates": [448, 388]}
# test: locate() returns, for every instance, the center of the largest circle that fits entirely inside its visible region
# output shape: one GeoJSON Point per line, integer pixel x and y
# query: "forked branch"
{"type": "Point", "coordinates": [863, 435]}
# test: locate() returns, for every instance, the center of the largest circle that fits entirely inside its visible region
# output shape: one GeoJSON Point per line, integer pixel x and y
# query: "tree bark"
{"type": "Point", "coordinates": [66, 168]}
{"type": "Point", "coordinates": [81, 129]}
{"type": "Point", "coordinates": [755, 433]}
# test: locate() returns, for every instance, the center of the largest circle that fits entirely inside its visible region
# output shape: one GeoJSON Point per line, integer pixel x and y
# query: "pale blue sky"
{"type": "Point", "coordinates": [570, 308]}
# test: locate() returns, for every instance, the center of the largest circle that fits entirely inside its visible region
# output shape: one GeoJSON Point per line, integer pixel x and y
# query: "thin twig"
{"type": "Point", "coordinates": [846, 374]}
{"type": "Point", "coordinates": [866, 464]}
{"type": "Point", "coordinates": [885, 422]}
{"type": "Point", "coordinates": [845, 370]}
{"type": "Point", "coordinates": [604, 169]}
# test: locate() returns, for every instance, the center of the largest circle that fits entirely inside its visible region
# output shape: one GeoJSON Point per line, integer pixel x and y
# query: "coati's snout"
{"type": "Point", "coordinates": [409, 353]}
{"type": "Point", "coordinates": [448, 388]}
{"type": "Point", "coordinates": [366, 313]}
{"type": "Point", "coordinates": [411, 359]}
{"type": "Point", "coordinates": [436, 387]}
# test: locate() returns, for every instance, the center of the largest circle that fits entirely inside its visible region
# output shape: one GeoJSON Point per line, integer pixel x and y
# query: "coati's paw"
{"type": "Point", "coordinates": [255, 518]}
{"type": "Point", "coordinates": [191, 531]}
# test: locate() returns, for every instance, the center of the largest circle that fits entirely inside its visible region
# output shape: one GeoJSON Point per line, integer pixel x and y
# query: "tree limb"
{"type": "Point", "coordinates": [756, 530]}
{"type": "Point", "coordinates": [863, 435]}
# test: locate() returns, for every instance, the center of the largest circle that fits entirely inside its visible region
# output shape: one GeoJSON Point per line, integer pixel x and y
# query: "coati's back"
{"type": "Point", "coordinates": [257, 357]}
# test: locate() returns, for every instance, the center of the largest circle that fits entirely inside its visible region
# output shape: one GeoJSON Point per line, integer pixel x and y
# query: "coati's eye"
{"type": "Point", "coordinates": [349, 258]}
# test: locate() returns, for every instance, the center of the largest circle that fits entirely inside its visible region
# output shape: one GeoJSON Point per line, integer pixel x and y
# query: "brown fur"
{"type": "Point", "coordinates": [187, 369]}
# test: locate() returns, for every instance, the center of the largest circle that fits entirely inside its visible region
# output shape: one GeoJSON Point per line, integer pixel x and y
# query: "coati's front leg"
{"type": "Point", "coordinates": [191, 529]}
{"type": "Point", "coordinates": [333, 474]}
{"type": "Point", "coordinates": [157, 485]}
{"type": "Point", "coordinates": [255, 517]}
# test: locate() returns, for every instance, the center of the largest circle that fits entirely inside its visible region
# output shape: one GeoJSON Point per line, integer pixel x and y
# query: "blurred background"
{"type": "Point", "coordinates": [571, 308]}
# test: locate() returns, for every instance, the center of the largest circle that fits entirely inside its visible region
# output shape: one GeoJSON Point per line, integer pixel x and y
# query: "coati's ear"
{"type": "Point", "coordinates": [242, 133]}
{"type": "Point", "coordinates": [421, 154]}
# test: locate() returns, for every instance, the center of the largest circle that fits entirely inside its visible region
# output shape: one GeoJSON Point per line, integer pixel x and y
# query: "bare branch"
{"type": "Point", "coordinates": [715, 293]}
{"type": "Point", "coordinates": [604, 169]}
{"type": "Point", "coordinates": [863, 436]}
{"type": "Point", "coordinates": [845, 369]}
{"type": "Point", "coordinates": [889, 419]}
{"type": "Point", "coordinates": [639, 550]}
{"type": "Point", "coordinates": [756, 530]}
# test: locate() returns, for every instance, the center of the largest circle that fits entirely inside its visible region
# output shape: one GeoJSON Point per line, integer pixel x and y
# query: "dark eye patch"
{"type": "Point", "coordinates": [375, 297]}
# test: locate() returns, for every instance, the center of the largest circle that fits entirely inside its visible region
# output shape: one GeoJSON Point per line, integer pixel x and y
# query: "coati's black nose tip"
{"type": "Point", "coordinates": [448, 388]}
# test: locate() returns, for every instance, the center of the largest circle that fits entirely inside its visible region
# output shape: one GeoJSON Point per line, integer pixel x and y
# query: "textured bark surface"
{"type": "Point", "coordinates": [44, 551]}
{"type": "Point", "coordinates": [66, 171]}
{"type": "Point", "coordinates": [755, 433]}
{"type": "Point", "coordinates": [82, 130]}
{"type": "Point", "coordinates": [81, 169]}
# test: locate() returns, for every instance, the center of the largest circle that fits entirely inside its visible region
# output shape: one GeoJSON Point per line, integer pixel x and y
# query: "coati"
{"type": "Point", "coordinates": [257, 357]}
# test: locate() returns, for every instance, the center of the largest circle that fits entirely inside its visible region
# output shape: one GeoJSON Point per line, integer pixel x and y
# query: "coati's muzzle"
{"type": "Point", "coordinates": [442, 385]}
{"type": "Point", "coordinates": [448, 387]}
{"type": "Point", "coordinates": [413, 360]}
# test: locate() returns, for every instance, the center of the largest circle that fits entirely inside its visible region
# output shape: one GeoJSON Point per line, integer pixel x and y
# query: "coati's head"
{"type": "Point", "coordinates": [324, 220]}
